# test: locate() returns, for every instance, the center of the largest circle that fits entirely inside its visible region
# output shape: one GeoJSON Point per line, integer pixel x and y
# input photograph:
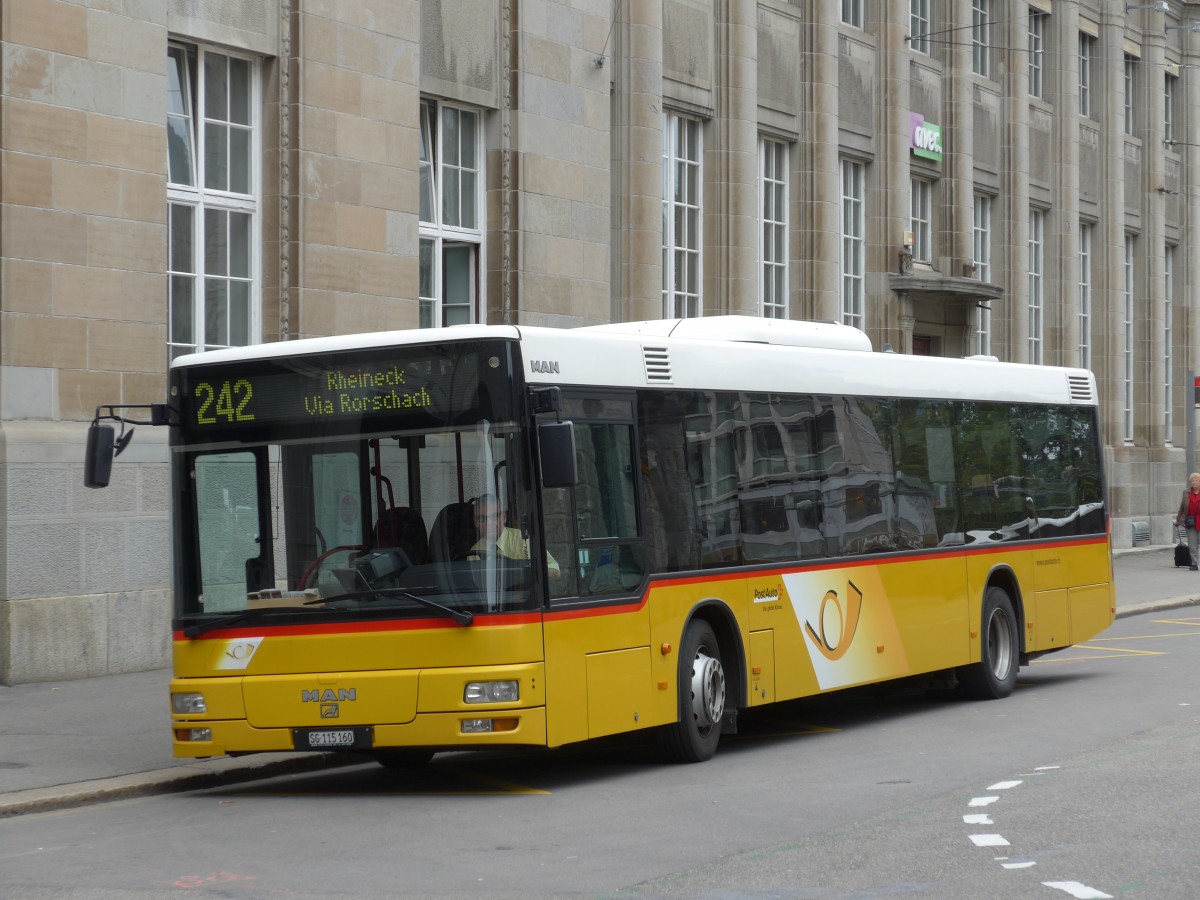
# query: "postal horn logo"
{"type": "Point", "coordinates": [835, 628]}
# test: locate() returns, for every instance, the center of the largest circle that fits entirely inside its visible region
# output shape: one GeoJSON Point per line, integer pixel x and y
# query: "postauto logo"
{"type": "Point", "coordinates": [849, 630]}
{"type": "Point", "coordinates": [835, 647]}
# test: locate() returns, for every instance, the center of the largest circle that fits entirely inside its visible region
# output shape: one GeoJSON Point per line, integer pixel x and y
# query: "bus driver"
{"type": "Point", "coordinates": [504, 540]}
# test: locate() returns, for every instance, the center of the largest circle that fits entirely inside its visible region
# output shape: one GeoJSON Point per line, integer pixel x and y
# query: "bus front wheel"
{"type": "Point", "coordinates": [694, 737]}
{"type": "Point", "coordinates": [995, 675]}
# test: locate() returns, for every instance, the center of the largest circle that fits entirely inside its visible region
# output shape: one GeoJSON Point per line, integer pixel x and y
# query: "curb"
{"type": "Point", "coordinates": [1156, 605]}
{"type": "Point", "coordinates": [186, 777]}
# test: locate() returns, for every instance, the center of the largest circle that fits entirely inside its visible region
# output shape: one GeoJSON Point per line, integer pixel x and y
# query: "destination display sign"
{"type": "Point", "coordinates": [420, 383]}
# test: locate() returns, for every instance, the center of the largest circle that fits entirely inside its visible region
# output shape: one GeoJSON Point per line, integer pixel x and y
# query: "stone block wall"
{"type": "Point", "coordinates": [84, 574]}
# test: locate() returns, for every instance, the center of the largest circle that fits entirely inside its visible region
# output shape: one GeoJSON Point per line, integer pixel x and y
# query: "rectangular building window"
{"type": "Point", "coordinates": [681, 217]}
{"type": "Point", "coordinates": [918, 25]}
{"type": "Point", "coordinates": [854, 243]}
{"type": "Point", "coordinates": [1127, 342]}
{"type": "Point", "coordinates": [1037, 51]}
{"type": "Point", "coordinates": [1168, 339]}
{"type": "Point", "coordinates": [981, 234]}
{"type": "Point", "coordinates": [1170, 84]}
{"type": "Point", "coordinates": [213, 198]}
{"type": "Point", "coordinates": [451, 223]}
{"type": "Point", "coordinates": [1087, 53]}
{"type": "Point", "coordinates": [981, 37]}
{"type": "Point", "coordinates": [1085, 295]}
{"type": "Point", "coordinates": [1131, 66]}
{"type": "Point", "coordinates": [921, 219]}
{"type": "Point", "coordinates": [1037, 272]}
{"type": "Point", "coordinates": [852, 12]}
{"type": "Point", "coordinates": [773, 203]}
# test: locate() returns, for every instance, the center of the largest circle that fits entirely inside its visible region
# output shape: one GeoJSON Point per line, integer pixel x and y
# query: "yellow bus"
{"type": "Point", "coordinates": [486, 536]}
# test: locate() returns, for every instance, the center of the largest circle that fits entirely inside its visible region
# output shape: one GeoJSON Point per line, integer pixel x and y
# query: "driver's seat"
{"type": "Point", "coordinates": [403, 527]}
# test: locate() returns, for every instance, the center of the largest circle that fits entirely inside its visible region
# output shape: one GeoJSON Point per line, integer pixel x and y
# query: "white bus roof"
{"type": "Point", "coordinates": [734, 353]}
{"type": "Point", "coordinates": [747, 329]}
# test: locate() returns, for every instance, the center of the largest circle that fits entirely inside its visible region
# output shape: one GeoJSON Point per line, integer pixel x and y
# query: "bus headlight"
{"type": "Point", "coordinates": [188, 704]}
{"type": "Point", "coordinates": [492, 692]}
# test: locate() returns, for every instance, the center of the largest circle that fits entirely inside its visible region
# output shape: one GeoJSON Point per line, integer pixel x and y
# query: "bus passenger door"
{"type": "Point", "coordinates": [598, 659]}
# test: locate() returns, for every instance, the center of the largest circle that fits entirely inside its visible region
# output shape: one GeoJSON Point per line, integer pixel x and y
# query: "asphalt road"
{"type": "Point", "coordinates": [863, 794]}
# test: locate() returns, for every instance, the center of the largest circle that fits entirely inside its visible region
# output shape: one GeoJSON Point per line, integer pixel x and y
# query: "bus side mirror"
{"type": "Point", "coordinates": [97, 463]}
{"type": "Point", "coordinates": [556, 447]}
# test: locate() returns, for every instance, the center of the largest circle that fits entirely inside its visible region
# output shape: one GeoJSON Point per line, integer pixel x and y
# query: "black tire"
{"type": "Point", "coordinates": [694, 737]}
{"type": "Point", "coordinates": [403, 759]}
{"type": "Point", "coordinates": [995, 675]}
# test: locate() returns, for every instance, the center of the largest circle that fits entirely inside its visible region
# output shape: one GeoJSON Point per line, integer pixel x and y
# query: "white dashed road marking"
{"type": "Point", "coordinates": [1004, 785]}
{"type": "Point", "coordinates": [988, 840]}
{"type": "Point", "coordinates": [1076, 889]}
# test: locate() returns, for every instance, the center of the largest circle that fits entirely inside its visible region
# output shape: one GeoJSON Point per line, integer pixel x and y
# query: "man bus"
{"type": "Point", "coordinates": [740, 511]}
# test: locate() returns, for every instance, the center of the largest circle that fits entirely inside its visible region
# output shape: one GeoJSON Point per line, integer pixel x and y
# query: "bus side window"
{"type": "Point", "coordinates": [560, 540]}
{"type": "Point", "coordinates": [924, 452]}
{"type": "Point", "coordinates": [678, 484]}
{"type": "Point", "coordinates": [1050, 481]}
{"type": "Point", "coordinates": [606, 509]}
{"type": "Point", "coordinates": [1085, 465]}
{"type": "Point", "coordinates": [592, 527]}
{"type": "Point", "coordinates": [867, 489]}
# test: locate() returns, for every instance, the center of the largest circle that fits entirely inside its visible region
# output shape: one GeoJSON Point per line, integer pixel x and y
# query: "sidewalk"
{"type": "Point", "coordinates": [74, 742]}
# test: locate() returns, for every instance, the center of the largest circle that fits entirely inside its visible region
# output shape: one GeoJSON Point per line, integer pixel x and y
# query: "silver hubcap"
{"type": "Point", "coordinates": [708, 690]}
{"type": "Point", "coordinates": [999, 637]}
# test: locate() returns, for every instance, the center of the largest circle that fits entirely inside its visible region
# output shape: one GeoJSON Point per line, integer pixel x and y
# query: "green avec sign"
{"type": "Point", "coordinates": [925, 138]}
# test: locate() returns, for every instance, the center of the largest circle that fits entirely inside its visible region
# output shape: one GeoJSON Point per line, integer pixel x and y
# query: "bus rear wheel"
{"type": "Point", "coordinates": [694, 737]}
{"type": "Point", "coordinates": [995, 675]}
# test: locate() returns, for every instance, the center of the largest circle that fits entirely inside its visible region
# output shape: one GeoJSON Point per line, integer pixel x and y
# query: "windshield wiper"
{"type": "Point", "coordinates": [461, 616]}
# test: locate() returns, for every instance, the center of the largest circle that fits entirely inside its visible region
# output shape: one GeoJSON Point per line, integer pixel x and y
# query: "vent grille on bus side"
{"type": "Point", "coordinates": [658, 364]}
{"type": "Point", "coordinates": [1081, 389]}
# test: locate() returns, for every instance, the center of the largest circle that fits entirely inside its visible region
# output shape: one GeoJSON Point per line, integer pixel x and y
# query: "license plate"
{"type": "Point", "coordinates": [333, 738]}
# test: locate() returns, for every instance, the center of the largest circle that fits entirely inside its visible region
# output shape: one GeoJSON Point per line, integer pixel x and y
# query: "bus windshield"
{"type": "Point", "coordinates": [390, 485]}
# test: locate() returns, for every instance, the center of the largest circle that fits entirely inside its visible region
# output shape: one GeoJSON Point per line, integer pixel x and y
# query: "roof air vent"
{"type": "Point", "coordinates": [1081, 389]}
{"type": "Point", "coordinates": [658, 364]}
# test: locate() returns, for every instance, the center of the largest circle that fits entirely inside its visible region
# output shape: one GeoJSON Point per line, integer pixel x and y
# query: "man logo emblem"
{"type": "Point", "coordinates": [329, 710]}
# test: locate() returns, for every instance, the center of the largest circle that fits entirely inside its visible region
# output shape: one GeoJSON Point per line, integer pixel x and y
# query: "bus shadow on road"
{"type": "Point", "coordinates": [537, 771]}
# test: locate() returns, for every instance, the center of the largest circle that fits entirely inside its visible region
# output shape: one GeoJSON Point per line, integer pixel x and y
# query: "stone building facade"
{"type": "Point", "coordinates": [1008, 177]}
